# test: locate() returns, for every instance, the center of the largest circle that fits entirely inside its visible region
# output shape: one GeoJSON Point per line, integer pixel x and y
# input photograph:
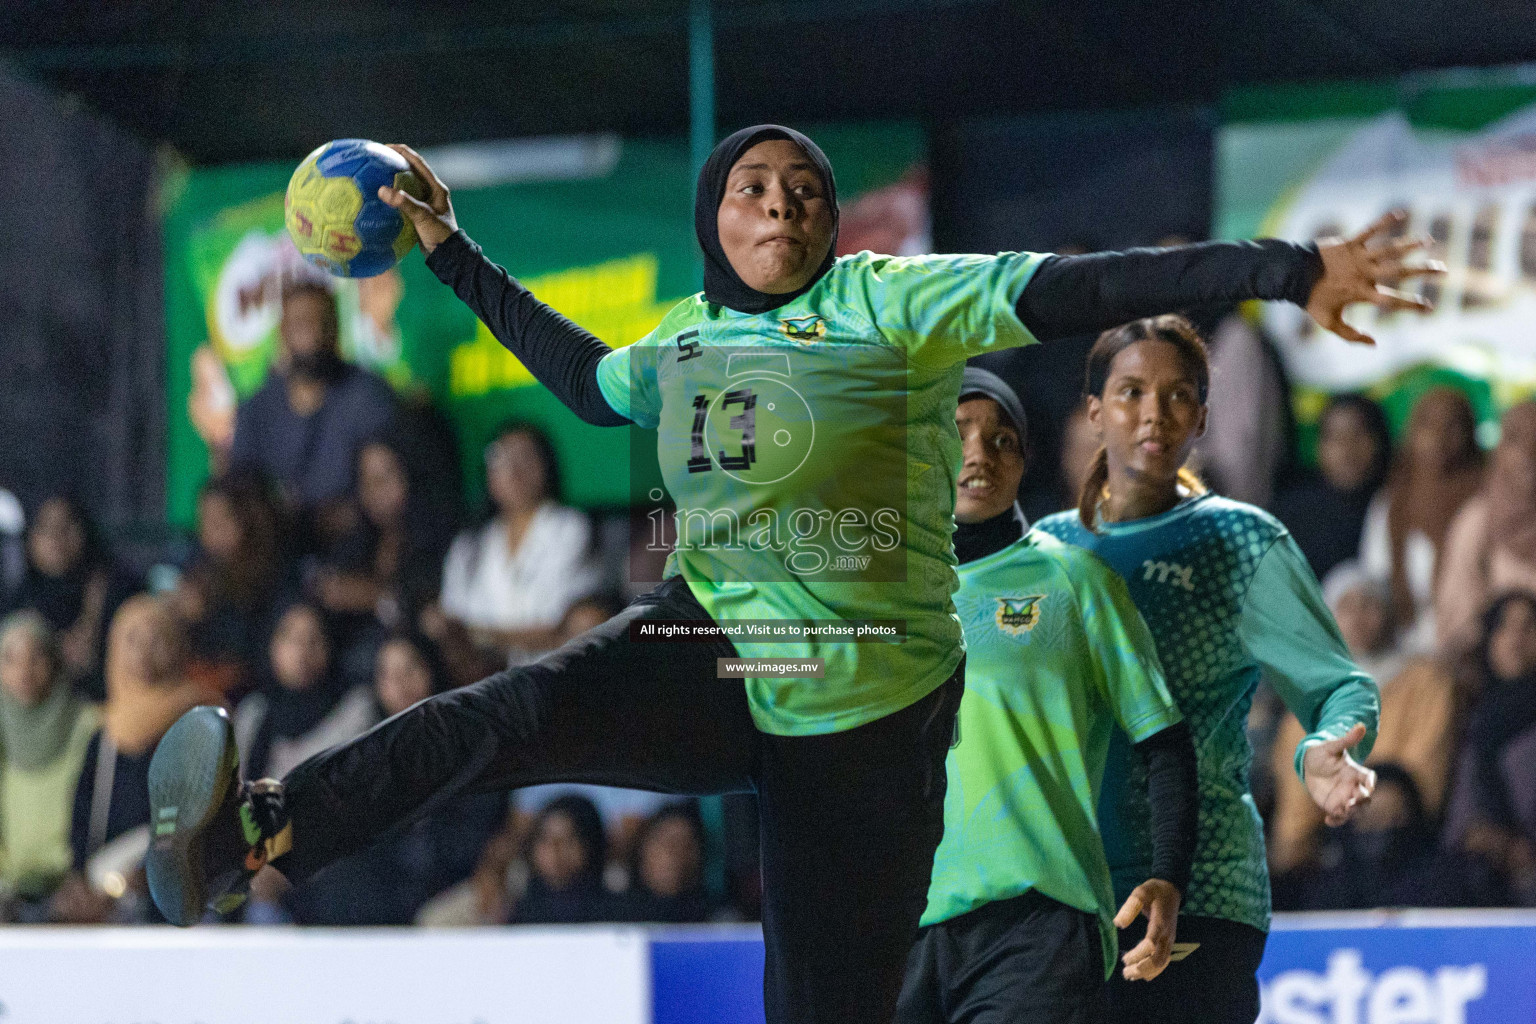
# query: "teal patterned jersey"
{"type": "Point", "coordinates": [1227, 595]}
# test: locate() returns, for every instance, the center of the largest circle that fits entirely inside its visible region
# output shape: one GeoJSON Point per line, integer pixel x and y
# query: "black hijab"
{"type": "Point", "coordinates": [977, 540]}
{"type": "Point", "coordinates": [584, 898]}
{"type": "Point", "coordinates": [722, 285]}
{"type": "Point", "coordinates": [293, 713]}
{"type": "Point", "coordinates": [60, 599]}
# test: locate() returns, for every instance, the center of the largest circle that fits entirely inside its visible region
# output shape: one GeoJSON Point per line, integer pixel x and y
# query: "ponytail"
{"type": "Point", "coordinates": [1093, 491]}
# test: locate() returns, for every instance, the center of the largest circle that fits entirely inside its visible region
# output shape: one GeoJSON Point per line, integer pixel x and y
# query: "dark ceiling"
{"type": "Point", "coordinates": [224, 81]}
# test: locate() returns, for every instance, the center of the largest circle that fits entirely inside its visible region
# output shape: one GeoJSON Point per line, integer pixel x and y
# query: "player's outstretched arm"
{"type": "Point", "coordinates": [1287, 628]}
{"type": "Point", "coordinates": [1074, 295]}
{"type": "Point", "coordinates": [560, 355]}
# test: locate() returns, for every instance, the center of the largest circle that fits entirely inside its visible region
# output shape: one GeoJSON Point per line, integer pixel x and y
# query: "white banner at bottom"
{"type": "Point", "coordinates": [214, 975]}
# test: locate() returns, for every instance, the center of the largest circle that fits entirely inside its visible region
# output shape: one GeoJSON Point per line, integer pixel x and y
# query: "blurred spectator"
{"type": "Point", "coordinates": [388, 883]}
{"type": "Point", "coordinates": [589, 613]}
{"type": "Point", "coordinates": [407, 670]}
{"type": "Point", "coordinates": [1438, 468]}
{"type": "Point", "coordinates": [1248, 428]}
{"type": "Point", "coordinates": [1079, 446]}
{"type": "Point", "coordinates": [623, 812]}
{"type": "Point", "coordinates": [305, 425]}
{"type": "Point", "coordinates": [45, 729]}
{"type": "Point", "coordinates": [1325, 510]}
{"type": "Point", "coordinates": [1386, 857]}
{"type": "Point", "coordinates": [1493, 808]}
{"type": "Point", "coordinates": [566, 852]}
{"type": "Point", "coordinates": [225, 595]}
{"type": "Point", "coordinates": [667, 869]}
{"type": "Point", "coordinates": [147, 691]}
{"type": "Point", "coordinates": [387, 568]}
{"type": "Point", "coordinates": [558, 879]}
{"type": "Point", "coordinates": [1418, 715]}
{"type": "Point", "coordinates": [1491, 546]}
{"type": "Point", "coordinates": [72, 580]}
{"type": "Point", "coordinates": [652, 536]}
{"type": "Point", "coordinates": [306, 704]}
{"type": "Point", "coordinates": [511, 581]}
{"type": "Point", "coordinates": [432, 455]}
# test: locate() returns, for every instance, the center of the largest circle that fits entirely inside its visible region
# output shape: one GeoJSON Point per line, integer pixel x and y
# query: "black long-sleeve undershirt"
{"type": "Point", "coordinates": [1174, 797]}
{"type": "Point", "coordinates": [560, 355]}
{"type": "Point", "coordinates": [1067, 296]}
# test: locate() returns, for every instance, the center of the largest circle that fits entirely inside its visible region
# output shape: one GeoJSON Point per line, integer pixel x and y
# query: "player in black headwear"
{"type": "Point", "coordinates": [805, 415]}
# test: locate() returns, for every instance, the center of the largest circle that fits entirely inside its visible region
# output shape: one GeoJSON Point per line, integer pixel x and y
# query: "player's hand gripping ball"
{"type": "Point", "coordinates": [334, 213]}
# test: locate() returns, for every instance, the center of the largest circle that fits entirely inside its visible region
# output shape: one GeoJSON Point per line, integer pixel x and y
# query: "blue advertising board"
{"type": "Point", "coordinates": [1403, 967]}
{"type": "Point", "coordinates": [1412, 967]}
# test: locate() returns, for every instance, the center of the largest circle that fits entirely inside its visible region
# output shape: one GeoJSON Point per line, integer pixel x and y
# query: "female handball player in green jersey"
{"type": "Point", "coordinates": [804, 414]}
{"type": "Point", "coordinates": [1020, 923]}
{"type": "Point", "coordinates": [1227, 595]}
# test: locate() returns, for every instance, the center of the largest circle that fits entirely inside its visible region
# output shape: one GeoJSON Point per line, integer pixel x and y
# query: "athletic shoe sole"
{"type": "Point", "coordinates": [193, 774]}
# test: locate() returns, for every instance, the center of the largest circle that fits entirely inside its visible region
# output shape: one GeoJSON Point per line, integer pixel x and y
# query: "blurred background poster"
{"type": "Point", "coordinates": [599, 227]}
{"type": "Point", "coordinates": [1303, 162]}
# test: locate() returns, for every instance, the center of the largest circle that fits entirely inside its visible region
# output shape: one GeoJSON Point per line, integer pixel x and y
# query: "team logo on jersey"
{"type": "Point", "coordinates": [803, 328]}
{"type": "Point", "coordinates": [1172, 573]}
{"type": "Point", "coordinates": [1017, 615]}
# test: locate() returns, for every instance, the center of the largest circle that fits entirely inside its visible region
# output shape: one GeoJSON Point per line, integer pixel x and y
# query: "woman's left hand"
{"type": "Point", "coordinates": [1356, 270]}
{"type": "Point", "coordinates": [1338, 783]}
{"type": "Point", "coordinates": [1160, 901]}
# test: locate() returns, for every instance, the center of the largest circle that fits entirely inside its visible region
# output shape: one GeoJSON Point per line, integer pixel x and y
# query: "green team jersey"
{"type": "Point", "coordinates": [812, 453]}
{"type": "Point", "coordinates": [1227, 595]}
{"type": "Point", "coordinates": [1057, 656]}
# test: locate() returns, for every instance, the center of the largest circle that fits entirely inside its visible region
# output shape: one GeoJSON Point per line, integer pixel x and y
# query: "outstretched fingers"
{"type": "Point", "coordinates": [1393, 270]}
{"type": "Point", "coordinates": [1150, 956]}
{"type": "Point", "coordinates": [1129, 911]}
{"type": "Point", "coordinates": [1397, 248]}
{"type": "Point", "coordinates": [1340, 744]}
{"type": "Point", "coordinates": [1379, 226]}
{"type": "Point", "coordinates": [1393, 298]}
{"type": "Point", "coordinates": [406, 203]}
{"type": "Point", "coordinates": [1140, 959]}
{"type": "Point", "coordinates": [1337, 325]}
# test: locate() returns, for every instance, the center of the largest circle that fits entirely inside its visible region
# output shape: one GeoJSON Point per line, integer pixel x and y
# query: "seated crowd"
{"type": "Point", "coordinates": [332, 581]}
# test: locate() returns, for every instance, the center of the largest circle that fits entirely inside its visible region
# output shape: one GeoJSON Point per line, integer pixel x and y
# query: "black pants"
{"type": "Point", "coordinates": [849, 821]}
{"type": "Point", "coordinates": [1216, 983]}
{"type": "Point", "coordinates": [1029, 958]}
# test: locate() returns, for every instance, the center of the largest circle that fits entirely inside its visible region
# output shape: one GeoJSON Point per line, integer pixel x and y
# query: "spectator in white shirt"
{"type": "Point", "coordinates": [510, 582]}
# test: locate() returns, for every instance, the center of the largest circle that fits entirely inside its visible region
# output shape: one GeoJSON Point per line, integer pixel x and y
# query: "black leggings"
{"type": "Point", "coordinates": [849, 821]}
{"type": "Point", "coordinates": [1216, 982]}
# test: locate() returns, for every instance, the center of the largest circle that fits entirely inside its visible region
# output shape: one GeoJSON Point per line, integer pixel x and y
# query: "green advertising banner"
{"type": "Point", "coordinates": [1459, 154]}
{"type": "Point", "coordinates": [600, 228]}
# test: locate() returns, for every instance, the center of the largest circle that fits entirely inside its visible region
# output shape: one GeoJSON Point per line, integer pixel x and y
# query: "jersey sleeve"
{"type": "Point", "coordinates": [1124, 654]}
{"type": "Point", "coordinates": [1287, 628]}
{"type": "Point", "coordinates": [944, 309]}
{"type": "Point", "coordinates": [627, 378]}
